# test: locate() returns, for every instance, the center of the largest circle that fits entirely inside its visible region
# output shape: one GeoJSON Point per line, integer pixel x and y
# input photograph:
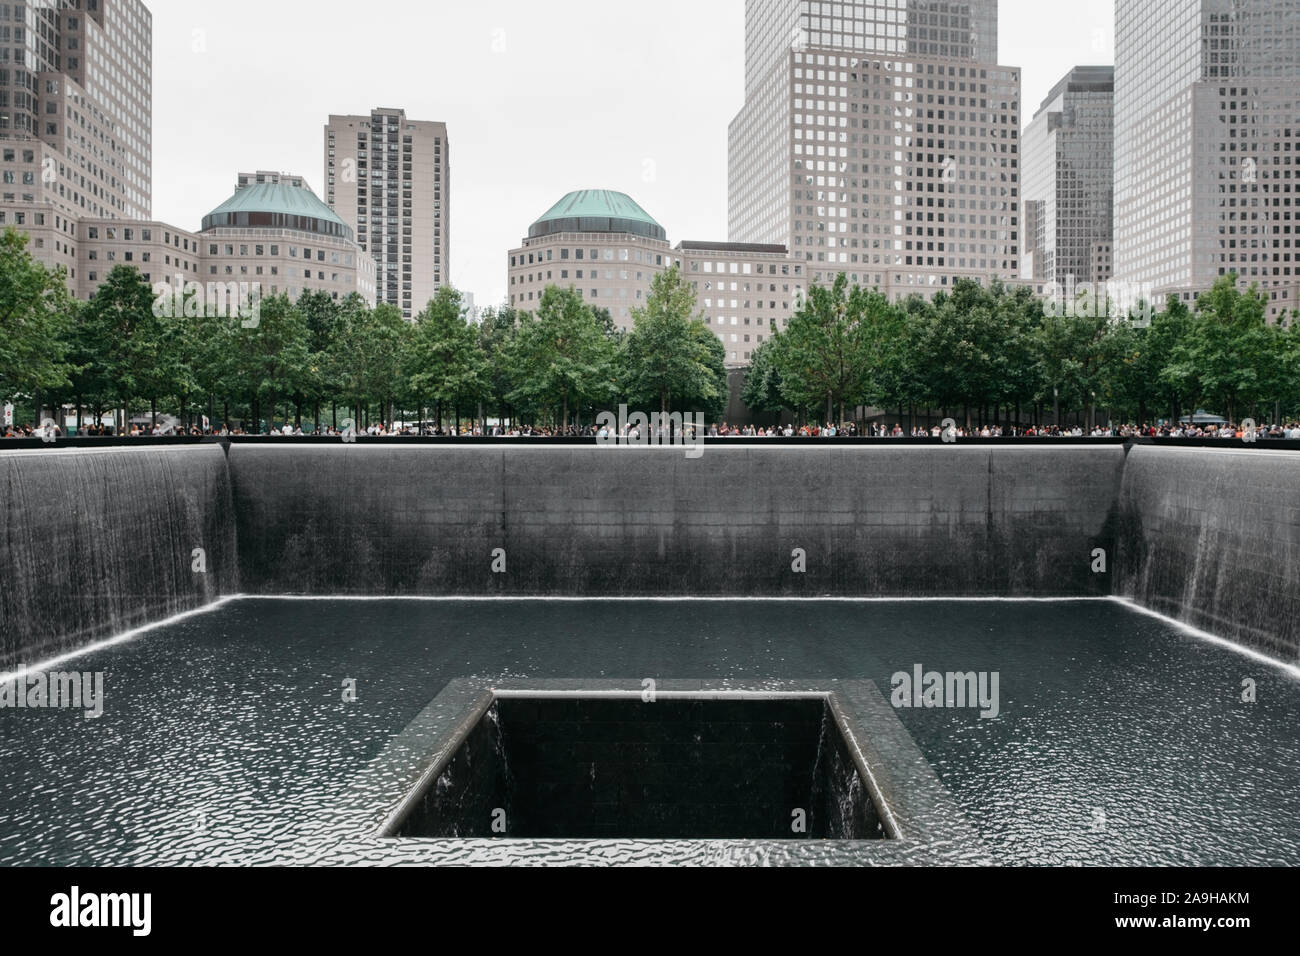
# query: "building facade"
{"type": "Point", "coordinates": [746, 292]}
{"type": "Point", "coordinates": [389, 178]}
{"type": "Point", "coordinates": [161, 253]}
{"type": "Point", "coordinates": [1207, 95]}
{"type": "Point", "coordinates": [609, 249]}
{"type": "Point", "coordinates": [879, 138]}
{"type": "Point", "coordinates": [275, 232]}
{"type": "Point", "coordinates": [597, 241]}
{"type": "Point", "coordinates": [1068, 177]}
{"type": "Point", "coordinates": [76, 107]}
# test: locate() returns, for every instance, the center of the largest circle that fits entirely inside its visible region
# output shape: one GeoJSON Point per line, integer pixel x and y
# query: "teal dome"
{"type": "Point", "coordinates": [278, 206]}
{"type": "Point", "coordinates": [597, 210]}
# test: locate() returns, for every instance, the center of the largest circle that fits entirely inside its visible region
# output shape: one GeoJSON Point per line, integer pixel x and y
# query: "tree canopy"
{"type": "Point", "coordinates": [972, 350]}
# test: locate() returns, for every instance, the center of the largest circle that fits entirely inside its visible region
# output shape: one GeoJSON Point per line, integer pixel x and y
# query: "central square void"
{"type": "Point", "coordinates": [577, 767]}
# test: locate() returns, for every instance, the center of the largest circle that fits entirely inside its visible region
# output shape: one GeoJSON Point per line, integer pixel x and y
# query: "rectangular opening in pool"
{"type": "Point", "coordinates": [620, 768]}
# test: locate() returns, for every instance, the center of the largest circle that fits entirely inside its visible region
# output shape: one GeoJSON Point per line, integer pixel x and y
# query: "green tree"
{"type": "Point", "coordinates": [35, 319]}
{"type": "Point", "coordinates": [762, 390]}
{"type": "Point", "coordinates": [561, 357]}
{"type": "Point", "coordinates": [841, 348]}
{"type": "Point", "coordinates": [271, 361]}
{"type": "Point", "coordinates": [670, 351]}
{"type": "Point", "coordinates": [1226, 357]}
{"type": "Point", "coordinates": [963, 347]}
{"type": "Point", "coordinates": [496, 334]}
{"type": "Point", "coordinates": [323, 316]}
{"type": "Point", "coordinates": [443, 362]}
{"type": "Point", "coordinates": [140, 352]}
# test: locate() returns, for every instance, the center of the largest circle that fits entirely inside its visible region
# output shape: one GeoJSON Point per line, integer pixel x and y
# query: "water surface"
{"type": "Point", "coordinates": [225, 738]}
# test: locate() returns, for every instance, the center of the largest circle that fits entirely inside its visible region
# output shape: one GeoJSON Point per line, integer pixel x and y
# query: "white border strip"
{"type": "Point", "coordinates": [113, 641]}
{"type": "Point", "coordinates": [682, 599]}
{"type": "Point", "coordinates": [1291, 670]}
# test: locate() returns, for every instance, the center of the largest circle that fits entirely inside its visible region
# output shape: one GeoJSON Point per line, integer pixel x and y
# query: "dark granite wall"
{"type": "Point", "coordinates": [470, 793]}
{"type": "Point", "coordinates": [1211, 537]}
{"type": "Point", "coordinates": [96, 543]}
{"type": "Point", "coordinates": [623, 769]}
{"type": "Point", "coordinates": [873, 520]}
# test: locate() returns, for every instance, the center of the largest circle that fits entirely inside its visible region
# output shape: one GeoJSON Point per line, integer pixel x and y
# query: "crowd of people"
{"type": "Point", "coordinates": [1210, 431]}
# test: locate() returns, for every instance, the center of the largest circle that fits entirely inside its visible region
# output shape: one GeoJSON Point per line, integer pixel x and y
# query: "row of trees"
{"type": "Point", "coordinates": [318, 359]}
{"type": "Point", "coordinates": [997, 355]}
{"type": "Point", "coordinates": [987, 354]}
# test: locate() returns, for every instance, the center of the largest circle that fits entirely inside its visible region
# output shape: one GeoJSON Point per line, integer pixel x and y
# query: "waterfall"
{"type": "Point", "coordinates": [1211, 537]}
{"type": "Point", "coordinates": [97, 542]}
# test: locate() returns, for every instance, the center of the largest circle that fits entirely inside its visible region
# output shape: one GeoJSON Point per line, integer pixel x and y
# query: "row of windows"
{"type": "Point", "coordinates": [611, 255]}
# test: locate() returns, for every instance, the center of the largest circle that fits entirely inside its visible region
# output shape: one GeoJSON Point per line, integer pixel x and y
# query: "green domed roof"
{"type": "Point", "coordinates": [597, 210]}
{"type": "Point", "coordinates": [277, 205]}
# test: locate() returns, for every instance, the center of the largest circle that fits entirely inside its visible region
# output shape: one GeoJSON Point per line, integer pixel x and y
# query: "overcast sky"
{"type": "Point", "coordinates": [540, 98]}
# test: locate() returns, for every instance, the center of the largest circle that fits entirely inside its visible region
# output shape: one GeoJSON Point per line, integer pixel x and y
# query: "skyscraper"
{"type": "Point", "coordinates": [881, 139]}
{"type": "Point", "coordinates": [1068, 176]}
{"type": "Point", "coordinates": [76, 107]}
{"type": "Point", "coordinates": [1207, 132]}
{"type": "Point", "coordinates": [389, 178]}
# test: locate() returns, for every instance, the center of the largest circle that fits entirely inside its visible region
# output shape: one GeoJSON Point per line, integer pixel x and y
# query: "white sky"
{"type": "Point", "coordinates": [540, 98]}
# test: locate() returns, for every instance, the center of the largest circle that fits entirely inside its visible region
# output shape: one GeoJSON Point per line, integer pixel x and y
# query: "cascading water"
{"type": "Point", "coordinates": [97, 542]}
{"type": "Point", "coordinates": [1211, 538]}
{"type": "Point", "coordinates": [877, 521]}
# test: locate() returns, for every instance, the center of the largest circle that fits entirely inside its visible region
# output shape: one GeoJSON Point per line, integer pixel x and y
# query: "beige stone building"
{"type": "Point", "coordinates": [160, 252]}
{"type": "Point", "coordinates": [746, 292]}
{"type": "Point", "coordinates": [276, 232]}
{"type": "Point", "coordinates": [597, 241]}
{"type": "Point", "coordinates": [389, 178]}
{"type": "Point", "coordinates": [52, 234]}
{"type": "Point", "coordinates": [604, 245]}
{"type": "Point", "coordinates": [273, 231]}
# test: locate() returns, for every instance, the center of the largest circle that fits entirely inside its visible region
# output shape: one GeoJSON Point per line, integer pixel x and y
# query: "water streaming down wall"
{"type": "Point", "coordinates": [873, 521]}
{"type": "Point", "coordinates": [1211, 537]}
{"type": "Point", "coordinates": [96, 543]}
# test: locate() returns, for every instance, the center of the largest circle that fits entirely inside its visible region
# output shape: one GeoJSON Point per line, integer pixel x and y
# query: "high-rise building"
{"type": "Point", "coordinates": [879, 138]}
{"type": "Point", "coordinates": [76, 107]}
{"type": "Point", "coordinates": [389, 178]}
{"type": "Point", "coordinates": [1207, 145]}
{"type": "Point", "coordinates": [1068, 170]}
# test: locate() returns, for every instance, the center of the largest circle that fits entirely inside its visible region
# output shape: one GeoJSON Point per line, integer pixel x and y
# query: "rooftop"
{"type": "Point", "coordinates": [280, 201]}
{"type": "Point", "coordinates": [597, 210]}
{"type": "Point", "coordinates": [744, 248]}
